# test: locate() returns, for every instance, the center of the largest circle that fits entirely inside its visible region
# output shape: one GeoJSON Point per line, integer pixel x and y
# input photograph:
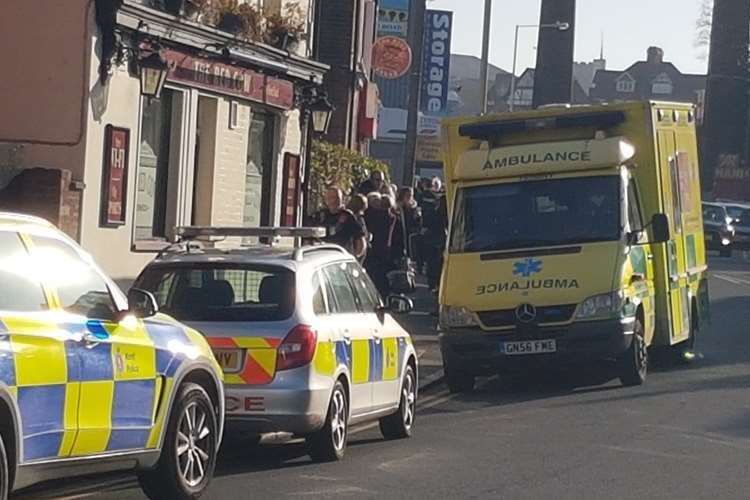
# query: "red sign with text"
{"type": "Point", "coordinates": [115, 175]}
{"type": "Point", "coordinates": [290, 191]}
{"type": "Point", "coordinates": [228, 79]}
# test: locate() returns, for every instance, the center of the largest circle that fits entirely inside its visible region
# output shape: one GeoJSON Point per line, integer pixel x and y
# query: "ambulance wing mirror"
{"type": "Point", "coordinates": [660, 229]}
{"type": "Point", "coordinates": [142, 304]}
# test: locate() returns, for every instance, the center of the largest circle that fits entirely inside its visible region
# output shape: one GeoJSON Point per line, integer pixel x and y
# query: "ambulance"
{"type": "Point", "coordinates": [576, 236]}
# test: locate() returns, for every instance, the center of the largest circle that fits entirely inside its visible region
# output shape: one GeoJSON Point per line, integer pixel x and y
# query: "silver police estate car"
{"type": "Point", "coordinates": [305, 342]}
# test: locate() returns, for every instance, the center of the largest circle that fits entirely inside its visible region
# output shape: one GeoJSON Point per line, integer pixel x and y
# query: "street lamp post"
{"type": "Point", "coordinates": [484, 68]}
{"type": "Point", "coordinates": [558, 26]}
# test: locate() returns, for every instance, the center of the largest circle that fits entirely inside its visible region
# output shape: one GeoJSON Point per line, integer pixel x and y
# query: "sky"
{"type": "Point", "coordinates": [629, 28]}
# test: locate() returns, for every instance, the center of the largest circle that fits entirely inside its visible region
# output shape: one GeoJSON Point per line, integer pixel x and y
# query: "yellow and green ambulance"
{"type": "Point", "coordinates": [576, 235]}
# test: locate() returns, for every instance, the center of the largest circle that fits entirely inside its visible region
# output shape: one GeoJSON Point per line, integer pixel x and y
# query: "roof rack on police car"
{"type": "Point", "coordinates": [271, 235]}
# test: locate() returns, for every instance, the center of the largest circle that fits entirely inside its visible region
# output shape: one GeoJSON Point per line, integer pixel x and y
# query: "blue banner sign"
{"type": "Point", "coordinates": [438, 29]}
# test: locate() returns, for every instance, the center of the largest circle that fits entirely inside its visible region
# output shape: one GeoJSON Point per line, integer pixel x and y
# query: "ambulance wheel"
{"type": "Point", "coordinates": [4, 476]}
{"type": "Point", "coordinates": [684, 352]}
{"type": "Point", "coordinates": [458, 382]}
{"type": "Point", "coordinates": [329, 443]}
{"type": "Point", "coordinates": [633, 365]}
{"type": "Point", "coordinates": [188, 457]}
{"type": "Point", "coordinates": [399, 425]}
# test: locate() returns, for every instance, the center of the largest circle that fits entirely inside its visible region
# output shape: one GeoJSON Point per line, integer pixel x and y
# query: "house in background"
{"type": "Point", "coordinates": [653, 78]}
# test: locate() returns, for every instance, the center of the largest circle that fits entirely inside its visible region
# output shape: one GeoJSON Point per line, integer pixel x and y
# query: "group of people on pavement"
{"type": "Point", "coordinates": [388, 228]}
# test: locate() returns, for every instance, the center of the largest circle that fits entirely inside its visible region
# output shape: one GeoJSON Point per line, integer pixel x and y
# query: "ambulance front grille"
{"type": "Point", "coordinates": [503, 318]}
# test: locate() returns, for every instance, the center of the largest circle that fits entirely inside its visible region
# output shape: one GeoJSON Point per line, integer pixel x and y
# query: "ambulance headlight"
{"type": "Point", "coordinates": [605, 305]}
{"type": "Point", "coordinates": [456, 317]}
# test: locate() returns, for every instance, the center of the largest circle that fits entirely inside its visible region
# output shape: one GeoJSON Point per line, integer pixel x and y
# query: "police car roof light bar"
{"type": "Point", "coordinates": [495, 129]}
{"type": "Point", "coordinates": [195, 232]}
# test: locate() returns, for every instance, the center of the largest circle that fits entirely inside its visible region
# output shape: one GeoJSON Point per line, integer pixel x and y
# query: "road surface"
{"type": "Point", "coordinates": [686, 433]}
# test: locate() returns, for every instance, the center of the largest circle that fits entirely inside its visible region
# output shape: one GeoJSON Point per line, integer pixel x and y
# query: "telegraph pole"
{"type": "Point", "coordinates": [484, 68]}
{"type": "Point", "coordinates": [417, 10]}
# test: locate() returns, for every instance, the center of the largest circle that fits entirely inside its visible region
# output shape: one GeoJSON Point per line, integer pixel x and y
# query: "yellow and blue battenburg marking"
{"type": "Point", "coordinates": [366, 360]}
{"type": "Point", "coordinates": [80, 399]}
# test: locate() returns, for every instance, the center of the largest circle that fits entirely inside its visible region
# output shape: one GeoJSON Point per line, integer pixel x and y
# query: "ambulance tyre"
{"type": "Point", "coordinates": [329, 443]}
{"type": "Point", "coordinates": [633, 365]}
{"type": "Point", "coordinates": [188, 456]}
{"type": "Point", "coordinates": [458, 382]}
{"type": "Point", "coordinates": [399, 425]}
{"type": "Point", "coordinates": [4, 476]}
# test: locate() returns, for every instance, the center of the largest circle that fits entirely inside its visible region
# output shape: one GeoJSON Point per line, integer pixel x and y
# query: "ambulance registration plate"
{"type": "Point", "coordinates": [230, 360]}
{"type": "Point", "coordinates": [528, 347]}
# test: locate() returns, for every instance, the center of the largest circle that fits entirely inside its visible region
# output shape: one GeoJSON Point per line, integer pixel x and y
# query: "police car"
{"type": "Point", "coordinates": [306, 344]}
{"type": "Point", "coordinates": [93, 381]}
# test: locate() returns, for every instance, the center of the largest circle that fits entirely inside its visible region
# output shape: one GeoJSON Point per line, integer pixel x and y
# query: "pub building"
{"type": "Point", "coordinates": [180, 124]}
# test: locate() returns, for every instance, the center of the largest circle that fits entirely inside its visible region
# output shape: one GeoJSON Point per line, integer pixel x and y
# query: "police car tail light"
{"type": "Point", "coordinates": [297, 349]}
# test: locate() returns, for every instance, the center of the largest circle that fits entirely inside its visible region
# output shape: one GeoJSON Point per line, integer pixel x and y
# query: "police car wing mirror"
{"type": "Point", "coordinates": [142, 304]}
{"type": "Point", "coordinates": [660, 229]}
{"type": "Point", "coordinates": [400, 304]}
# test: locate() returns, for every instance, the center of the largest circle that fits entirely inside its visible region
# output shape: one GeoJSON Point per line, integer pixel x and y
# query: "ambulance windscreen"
{"type": "Point", "coordinates": [536, 214]}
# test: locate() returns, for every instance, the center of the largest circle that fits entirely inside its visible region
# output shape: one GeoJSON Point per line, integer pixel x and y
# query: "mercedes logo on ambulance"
{"type": "Point", "coordinates": [526, 313]}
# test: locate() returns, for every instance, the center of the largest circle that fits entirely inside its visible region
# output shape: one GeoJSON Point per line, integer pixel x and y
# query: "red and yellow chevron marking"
{"type": "Point", "coordinates": [260, 358]}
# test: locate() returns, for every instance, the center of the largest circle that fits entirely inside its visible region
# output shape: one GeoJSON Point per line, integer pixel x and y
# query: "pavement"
{"type": "Point", "coordinates": [578, 435]}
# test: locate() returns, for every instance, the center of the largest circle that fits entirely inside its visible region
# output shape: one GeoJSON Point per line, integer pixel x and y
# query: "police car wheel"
{"type": "Point", "coordinates": [634, 363]}
{"type": "Point", "coordinates": [4, 476]}
{"type": "Point", "coordinates": [188, 457]}
{"type": "Point", "coordinates": [399, 425]}
{"type": "Point", "coordinates": [329, 443]}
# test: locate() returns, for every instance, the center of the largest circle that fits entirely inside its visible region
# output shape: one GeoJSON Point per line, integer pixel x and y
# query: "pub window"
{"type": "Point", "coordinates": [153, 172]}
{"type": "Point", "coordinates": [259, 170]}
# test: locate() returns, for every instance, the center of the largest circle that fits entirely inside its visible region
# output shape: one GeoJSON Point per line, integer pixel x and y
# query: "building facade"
{"type": "Point", "coordinates": [345, 32]}
{"type": "Point", "coordinates": [223, 144]}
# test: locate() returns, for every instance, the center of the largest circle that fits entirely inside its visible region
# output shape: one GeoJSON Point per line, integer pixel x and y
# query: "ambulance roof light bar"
{"type": "Point", "coordinates": [495, 129]}
{"type": "Point", "coordinates": [270, 233]}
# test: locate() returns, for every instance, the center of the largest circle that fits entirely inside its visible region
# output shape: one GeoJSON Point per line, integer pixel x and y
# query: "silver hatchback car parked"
{"type": "Point", "coordinates": [306, 344]}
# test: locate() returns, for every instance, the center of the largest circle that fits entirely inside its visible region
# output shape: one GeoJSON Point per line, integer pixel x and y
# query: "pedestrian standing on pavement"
{"type": "Point", "coordinates": [434, 213]}
{"type": "Point", "coordinates": [408, 224]}
{"type": "Point", "coordinates": [380, 223]}
{"type": "Point", "coordinates": [358, 206]}
{"type": "Point", "coordinates": [342, 227]}
{"type": "Point", "coordinates": [374, 183]}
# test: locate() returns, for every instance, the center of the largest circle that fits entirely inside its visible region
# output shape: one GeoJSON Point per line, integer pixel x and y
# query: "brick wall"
{"type": "Point", "coordinates": [45, 193]}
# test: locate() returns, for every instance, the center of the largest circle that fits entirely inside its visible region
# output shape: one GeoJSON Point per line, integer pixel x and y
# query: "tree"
{"type": "Point", "coordinates": [703, 29]}
{"type": "Point", "coordinates": [336, 165]}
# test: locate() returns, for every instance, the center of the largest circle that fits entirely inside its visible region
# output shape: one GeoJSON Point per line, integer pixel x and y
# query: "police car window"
{"type": "Point", "coordinates": [342, 290]}
{"type": "Point", "coordinates": [222, 292]}
{"type": "Point", "coordinates": [80, 287]}
{"type": "Point", "coordinates": [19, 288]}
{"type": "Point", "coordinates": [368, 296]}
{"type": "Point", "coordinates": [319, 305]}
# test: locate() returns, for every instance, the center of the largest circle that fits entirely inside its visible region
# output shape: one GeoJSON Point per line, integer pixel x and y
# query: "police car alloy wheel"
{"type": "Point", "coordinates": [188, 457]}
{"type": "Point", "coordinates": [4, 486]}
{"type": "Point", "coordinates": [329, 443]}
{"type": "Point", "coordinates": [399, 425]}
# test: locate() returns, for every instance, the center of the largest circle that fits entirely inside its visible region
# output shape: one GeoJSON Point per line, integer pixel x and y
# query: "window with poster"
{"type": "Point", "coordinates": [259, 170]}
{"type": "Point", "coordinates": [152, 174]}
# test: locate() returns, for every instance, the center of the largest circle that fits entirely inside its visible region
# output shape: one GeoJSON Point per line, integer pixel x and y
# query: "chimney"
{"type": "Point", "coordinates": [655, 55]}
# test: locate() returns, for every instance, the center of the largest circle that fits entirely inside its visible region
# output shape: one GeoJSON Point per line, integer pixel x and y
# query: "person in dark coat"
{"type": "Point", "coordinates": [408, 225]}
{"type": "Point", "coordinates": [342, 227]}
{"type": "Point", "coordinates": [375, 183]}
{"type": "Point", "coordinates": [381, 223]}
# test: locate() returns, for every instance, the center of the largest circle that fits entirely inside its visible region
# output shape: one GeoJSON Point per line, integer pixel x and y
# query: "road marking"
{"type": "Point", "coordinates": [733, 280]}
{"type": "Point", "coordinates": [644, 451]}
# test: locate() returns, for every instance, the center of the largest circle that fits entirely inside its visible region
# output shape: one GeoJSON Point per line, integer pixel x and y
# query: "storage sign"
{"type": "Point", "coordinates": [436, 64]}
